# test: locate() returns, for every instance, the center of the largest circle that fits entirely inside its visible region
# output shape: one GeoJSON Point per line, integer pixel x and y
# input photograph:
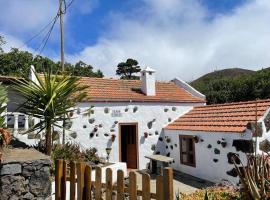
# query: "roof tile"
{"type": "Point", "coordinates": [229, 117]}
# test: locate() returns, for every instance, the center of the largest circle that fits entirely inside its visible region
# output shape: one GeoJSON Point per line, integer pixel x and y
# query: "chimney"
{"type": "Point", "coordinates": [148, 81]}
{"type": "Point", "coordinates": [32, 74]}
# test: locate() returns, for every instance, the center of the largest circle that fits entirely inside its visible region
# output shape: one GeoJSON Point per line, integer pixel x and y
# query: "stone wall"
{"type": "Point", "coordinates": [25, 174]}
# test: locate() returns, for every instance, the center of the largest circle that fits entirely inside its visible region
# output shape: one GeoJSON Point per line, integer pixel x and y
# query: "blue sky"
{"type": "Point", "coordinates": [191, 37]}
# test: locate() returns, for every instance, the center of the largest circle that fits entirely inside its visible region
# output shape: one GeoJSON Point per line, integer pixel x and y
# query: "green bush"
{"type": "Point", "coordinates": [72, 152]}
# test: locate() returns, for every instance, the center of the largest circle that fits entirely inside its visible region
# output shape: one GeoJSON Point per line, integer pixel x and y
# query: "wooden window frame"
{"type": "Point", "coordinates": [193, 150]}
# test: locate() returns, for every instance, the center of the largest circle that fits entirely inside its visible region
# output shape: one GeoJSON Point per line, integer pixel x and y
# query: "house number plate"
{"type": "Point", "coordinates": [116, 113]}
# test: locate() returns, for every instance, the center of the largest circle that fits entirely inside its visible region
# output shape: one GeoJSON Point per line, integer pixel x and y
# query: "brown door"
{"type": "Point", "coordinates": [128, 151]}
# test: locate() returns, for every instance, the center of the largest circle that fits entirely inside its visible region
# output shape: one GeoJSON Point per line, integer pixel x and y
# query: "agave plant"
{"type": "Point", "coordinates": [49, 98]}
{"type": "Point", "coordinates": [254, 177]}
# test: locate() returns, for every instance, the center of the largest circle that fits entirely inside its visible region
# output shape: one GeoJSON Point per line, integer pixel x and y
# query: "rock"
{"type": "Point", "coordinates": [216, 151]}
{"type": "Point", "coordinates": [252, 126]}
{"type": "Point", "coordinates": [265, 146]}
{"type": "Point", "coordinates": [11, 169]}
{"type": "Point", "coordinates": [27, 178]}
{"type": "Point", "coordinates": [28, 195]}
{"type": "Point", "coordinates": [245, 146]}
{"type": "Point", "coordinates": [73, 135]}
{"type": "Point", "coordinates": [267, 121]}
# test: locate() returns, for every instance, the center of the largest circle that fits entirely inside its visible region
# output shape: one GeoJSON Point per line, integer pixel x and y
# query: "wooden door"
{"type": "Point", "coordinates": [129, 145]}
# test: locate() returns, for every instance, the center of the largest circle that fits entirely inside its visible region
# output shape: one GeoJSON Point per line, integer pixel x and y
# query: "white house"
{"type": "Point", "coordinates": [138, 118]}
{"type": "Point", "coordinates": [128, 115]}
{"type": "Point", "coordinates": [203, 140]}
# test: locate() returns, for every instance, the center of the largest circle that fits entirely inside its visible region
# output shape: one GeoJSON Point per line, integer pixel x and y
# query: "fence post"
{"type": "Point", "coordinates": [146, 195]}
{"type": "Point", "coordinates": [63, 181]}
{"type": "Point", "coordinates": [120, 185]}
{"type": "Point", "coordinates": [72, 180]}
{"type": "Point", "coordinates": [98, 184]}
{"type": "Point", "coordinates": [132, 186]}
{"type": "Point", "coordinates": [58, 179]}
{"type": "Point", "coordinates": [159, 187]}
{"type": "Point", "coordinates": [168, 183]}
{"type": "Point", "coordinates": [80, 180]}
{"type": "Point", "coordinates": [109, 184]}
{"type": "Point", "coordinates": [87, 182]}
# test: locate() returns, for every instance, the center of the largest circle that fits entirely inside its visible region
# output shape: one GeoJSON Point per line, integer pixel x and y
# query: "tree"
{"type": "Point", "coordinates": [126, 70]}
{"type": "Point", "coordinates": [2, 42]}
{"type": "Point", "coordinates": [17, 63]}
{"type": "Point", "coordinates": [51, 98]}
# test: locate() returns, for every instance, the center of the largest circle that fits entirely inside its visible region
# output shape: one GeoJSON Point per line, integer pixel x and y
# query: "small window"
{"type": "Point", "coordinates": [187, 150]}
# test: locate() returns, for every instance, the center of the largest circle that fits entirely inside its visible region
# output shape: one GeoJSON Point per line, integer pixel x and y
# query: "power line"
{"type": "Point", "coordinates": [47, 36]}
{"type": "Point", "coordinates": [44, 41]}
{"type": "Point", "coordinates": [36, 35]}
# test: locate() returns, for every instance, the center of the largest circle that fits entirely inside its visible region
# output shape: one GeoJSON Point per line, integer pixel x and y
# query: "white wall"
{"type": "Point", "coordinates": [206, 168]}
{"type": "Point", "coordinates": [146, 112]}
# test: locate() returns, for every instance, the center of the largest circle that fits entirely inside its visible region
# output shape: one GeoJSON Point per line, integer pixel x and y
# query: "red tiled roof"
{"type": "Point", "coordinates": [101, 89]}
{"type": "Point", "coordinates": [230, 117]}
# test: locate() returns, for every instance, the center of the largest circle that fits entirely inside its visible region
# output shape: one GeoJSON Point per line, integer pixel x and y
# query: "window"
{"type": "Point", "coordinates": [187, 150]}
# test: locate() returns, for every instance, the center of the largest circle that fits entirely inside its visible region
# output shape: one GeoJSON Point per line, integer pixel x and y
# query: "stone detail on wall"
{"type": "Point", "coordinates": [251, 126]}
{"type": "Point", "coordinates": [135, 109]}
{"type": "Point", "coordinates": [91, 120]}
{"type": "Point", "coordinates": [216, 151]}
{"type": "Point", "coordinates": [73, 134]}
{"type": "Point", "coordinates": [68, 124]}
{"type": "Point", "coordinates": [232, 156]}
{"type": "Point", "coordinates": [174, 108]}
{"type": "Point", "coordinates": [25, 175]}
{"type": "Point", "coordinates": [264, 146]}
{"type": "Point", "coordinates": [245, 146]}
{"type": "Point", "coordinates": [267, 121]}
{"type": "Point", "coordinates": [232, 172]}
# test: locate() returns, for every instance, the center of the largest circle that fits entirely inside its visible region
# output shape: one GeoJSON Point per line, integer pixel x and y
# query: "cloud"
{"type": "Point", "coordinates": [178, 38]}
{"type": "Point", "coordinates": [11, 41]}
{"type": "Point", "coordinates": [86, 6]}
{"type": "Point", "coordinates": [22, 17]}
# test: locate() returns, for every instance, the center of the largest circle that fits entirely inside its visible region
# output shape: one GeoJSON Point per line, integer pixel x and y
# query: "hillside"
{"type": "Point", "coordinates": [232, 85]}
{"type": "Point", "coordinates": [230, 73]}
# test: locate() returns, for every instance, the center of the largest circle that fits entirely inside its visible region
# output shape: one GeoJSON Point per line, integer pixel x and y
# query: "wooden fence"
{"type": "Point", "coordinates": [87, 189]}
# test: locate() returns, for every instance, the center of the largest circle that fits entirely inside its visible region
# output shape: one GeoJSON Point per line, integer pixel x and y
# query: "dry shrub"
{"type": "Point", "coordinates": [214, 193]}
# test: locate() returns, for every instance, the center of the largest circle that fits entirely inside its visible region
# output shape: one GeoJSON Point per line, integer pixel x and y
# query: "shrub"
{"type": "Point", "coordinates": [72, 152]}
{"type": "Point", "coordinates": [212, 193]}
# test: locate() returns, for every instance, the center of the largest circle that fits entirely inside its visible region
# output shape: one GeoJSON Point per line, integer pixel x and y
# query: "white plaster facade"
{"type": "Point", "coordinates": [108, 124]}
{"type": "Point", "coordinates": [205, 167]}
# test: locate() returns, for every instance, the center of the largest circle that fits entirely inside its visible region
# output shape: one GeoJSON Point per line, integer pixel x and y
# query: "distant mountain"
{"type": "Point", "coordinates": [233, 85]}
{"type": "Point", "coordinates": [224, 73]}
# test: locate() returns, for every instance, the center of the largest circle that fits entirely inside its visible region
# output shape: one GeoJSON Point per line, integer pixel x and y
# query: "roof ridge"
{"type": "Point", "coordinates": [234, 103]}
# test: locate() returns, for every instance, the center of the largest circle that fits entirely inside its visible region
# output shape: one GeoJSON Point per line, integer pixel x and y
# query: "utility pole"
{"type": "Point", "coordinates": [62, 35]}
{"type": "Point", "coordinates": [62, 58]}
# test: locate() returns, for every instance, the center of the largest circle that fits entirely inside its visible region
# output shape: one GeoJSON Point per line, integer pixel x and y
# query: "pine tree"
{"type": "Point", "coordinates": [128, 69]}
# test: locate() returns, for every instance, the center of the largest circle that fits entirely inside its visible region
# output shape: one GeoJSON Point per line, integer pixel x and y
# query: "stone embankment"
{"type": "Point", "coordinates": [25, 174]}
